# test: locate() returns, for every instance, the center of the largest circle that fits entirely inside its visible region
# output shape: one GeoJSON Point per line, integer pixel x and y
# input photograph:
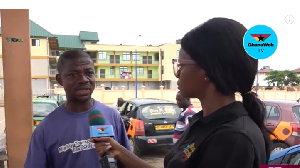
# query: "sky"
{"type": "Point", "coordinates": [121, 21]}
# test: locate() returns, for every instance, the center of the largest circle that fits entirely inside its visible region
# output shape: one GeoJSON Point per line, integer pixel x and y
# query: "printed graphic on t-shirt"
{"type": "Point", "coordinates": [77, 146]}
{"type": "Point", "coordinates": [188, 150]}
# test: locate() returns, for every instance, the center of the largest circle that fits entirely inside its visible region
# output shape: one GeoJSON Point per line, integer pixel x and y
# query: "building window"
{"type": "Point", "coordinates": [111, 59]}
{"type": "Point", "coordinates": [156, 57]}
{"type": "Point", "coordinates": [162, 54]}
{"type": "Point", "coordinates": [149, 60]}
{"type": "Point", "coordinates": [140, 71]}
{"type": "Point", "coordinates": [112, 71]}
{"type": "Point", "coordinates": [136, 56]}
{"type": "Point", "coordinates": [117, 59]}
{"type": "Point", "coordinates": [55, 53]}
{"type": "Point", "coordinates": [123, 69]}
{"type": "Point", "coordinates": [126, 56]}
{"type": "Point", "coordinates": [144, 60]}
{"type": "Point", "coordinates": [35, 42]}
{"type": "Point", "coordinates": [101, 55]}
{"type": "Point", "coordinates": [102, 73]}
{"type": "Point", "coordinates": [177, 54]}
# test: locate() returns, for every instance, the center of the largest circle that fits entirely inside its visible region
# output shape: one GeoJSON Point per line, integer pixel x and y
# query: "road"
{"type": "Point", "coordinates": [155, 158]}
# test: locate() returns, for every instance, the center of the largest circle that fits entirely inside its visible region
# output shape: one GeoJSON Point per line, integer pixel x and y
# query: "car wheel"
{"type": "Point", "coordinates": [278, 147]}
{"type": "Point", "coordinates": [134, 148]}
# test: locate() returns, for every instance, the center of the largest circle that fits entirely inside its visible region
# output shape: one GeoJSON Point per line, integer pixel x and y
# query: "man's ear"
{"type": "Point", "coordinates": [58, 79]}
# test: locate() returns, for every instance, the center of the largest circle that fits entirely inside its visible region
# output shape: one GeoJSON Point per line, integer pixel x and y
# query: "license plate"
{"type": "Point", "coordinates": [164, 127]}
{"type": "Point", "coordinates": [37, 123]}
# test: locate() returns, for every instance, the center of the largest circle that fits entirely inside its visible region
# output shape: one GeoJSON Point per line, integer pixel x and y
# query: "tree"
{"type": "Point", "coordinates": [283, 78]}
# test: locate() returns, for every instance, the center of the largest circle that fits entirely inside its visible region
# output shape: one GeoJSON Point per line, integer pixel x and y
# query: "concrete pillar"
{"type": "Point", "coordinates": [123, 92]}
{"type": "Point", "coordinates": [17, 82]}
{"type": "Point", "coordinates": [143, 91]}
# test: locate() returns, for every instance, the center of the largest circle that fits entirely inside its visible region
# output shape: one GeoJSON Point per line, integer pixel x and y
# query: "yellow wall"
{"type": "Point", "coordinates": [40, 66]}
{"type": "Point", "coordinates": [41, 50]}
{"type": "Point", "coordinates": [0, 45]}
{"type": "Point", "coordinates": [39, 60]}
{"type": "Point", "coordinates": [1, 67]}
{"type": "Point", "coordinates": [170, 51]}
{"type": "Point", "coordinates": [103, 47]}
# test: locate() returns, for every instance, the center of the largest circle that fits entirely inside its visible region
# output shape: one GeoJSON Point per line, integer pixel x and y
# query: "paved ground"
{"type": "Point", "coordinates": [155, 158]}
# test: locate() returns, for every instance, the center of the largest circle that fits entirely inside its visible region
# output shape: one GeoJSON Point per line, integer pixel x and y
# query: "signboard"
{"type": "Point", "coordinates": [125, 75]}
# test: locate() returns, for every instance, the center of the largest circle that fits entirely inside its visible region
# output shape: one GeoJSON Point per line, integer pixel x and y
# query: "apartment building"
{"type": "Point", "coordinates": [114, 64]}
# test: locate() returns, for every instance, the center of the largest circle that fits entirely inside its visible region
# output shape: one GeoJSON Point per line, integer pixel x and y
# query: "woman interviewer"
{"type": "Point", "coordinates": [212, 67]}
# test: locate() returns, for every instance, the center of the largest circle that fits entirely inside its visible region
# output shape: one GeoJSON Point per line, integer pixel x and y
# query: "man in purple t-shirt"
{"type": "Point", "coordinates": [61, 140]}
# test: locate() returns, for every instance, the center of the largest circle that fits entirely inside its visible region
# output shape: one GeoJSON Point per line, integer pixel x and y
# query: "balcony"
{"type": "Point", "coordinates": [127, 78]}
{"type": "Point", "coordinates": [114, 58]}
{"type": "Point", "coordinates": [53, 72]}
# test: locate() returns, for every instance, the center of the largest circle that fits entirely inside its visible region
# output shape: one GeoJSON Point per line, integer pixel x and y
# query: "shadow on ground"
{"type": "Point", "coordinates": [155, 158]}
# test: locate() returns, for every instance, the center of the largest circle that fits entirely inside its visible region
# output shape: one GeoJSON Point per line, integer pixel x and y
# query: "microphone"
{"type": "Point", "coordinates": [98, 129]}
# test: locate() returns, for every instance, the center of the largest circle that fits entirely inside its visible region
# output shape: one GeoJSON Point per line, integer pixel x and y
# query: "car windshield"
{"type": "Point", "coordinates": [160, 111]}
{"type": "Point", "coordinates": [296, 111]}
{"type": "Point", "coordinates": [43, 109]}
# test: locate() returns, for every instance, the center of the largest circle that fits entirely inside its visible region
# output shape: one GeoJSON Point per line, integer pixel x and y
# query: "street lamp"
{"type": "Point", "coordinates": [136, 90]}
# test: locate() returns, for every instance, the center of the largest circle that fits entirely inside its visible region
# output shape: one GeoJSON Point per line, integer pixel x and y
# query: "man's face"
{"type": "Point", "coordinates": [78, 79]}
{"type": "Point", "coordinates": [120, 103]}
{"type": "Point", "coordinates": [181, 102]}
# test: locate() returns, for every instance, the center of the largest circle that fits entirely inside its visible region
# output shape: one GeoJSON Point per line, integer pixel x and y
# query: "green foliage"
{"type": "Point", "coordinates": [283, 78]}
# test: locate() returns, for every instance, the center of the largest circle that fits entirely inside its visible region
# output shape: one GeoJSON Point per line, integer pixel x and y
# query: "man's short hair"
{"type": "Point", "coordinates": [70, 55]}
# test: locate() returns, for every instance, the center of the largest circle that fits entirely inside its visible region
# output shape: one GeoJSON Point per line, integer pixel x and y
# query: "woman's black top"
{"type": "Point", "coordinates": [227, 138]}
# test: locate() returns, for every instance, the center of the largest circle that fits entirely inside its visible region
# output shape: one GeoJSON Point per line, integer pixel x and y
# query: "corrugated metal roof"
{"type": "Point", "coordinates": [64, 41]}
{"type": "Point", "coordinates": [69, 42]}
{"type": "Point", "coordinates": [37, 31]}
{"type": "Point", "coordinates": [265, 70]}
{"type": "Point", "coordinates": [297, 70]}
{"type": "Point", "coordinates": [88, 36]}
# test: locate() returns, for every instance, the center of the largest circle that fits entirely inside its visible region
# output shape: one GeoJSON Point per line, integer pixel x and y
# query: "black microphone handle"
{"type": "Point", "coordinates": [108, 161]}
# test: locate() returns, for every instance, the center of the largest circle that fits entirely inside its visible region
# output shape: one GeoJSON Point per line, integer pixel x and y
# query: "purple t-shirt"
{"type": "Point", "coordinates": [61, 140]}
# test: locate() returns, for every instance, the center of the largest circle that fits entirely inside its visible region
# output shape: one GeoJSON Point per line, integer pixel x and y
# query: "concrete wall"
{"type": "Point", "coordinates": [129, 85]}
{"type": "Point", "coordinates": [110, 96]}
{"type": "Point", "coordinates": [40, 67]}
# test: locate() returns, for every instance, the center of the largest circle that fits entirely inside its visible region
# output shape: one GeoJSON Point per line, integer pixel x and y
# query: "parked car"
{"type": "Point", "coordinates": [149, 123]}
{"type": "Point", "coordinates": [282, 119]}
{"type": "Point", "coordinates": [41, 108]}
{"type": "Point", "coordinates": [288, 156]}
{"type": "Point", "coordinates": [58, 97]}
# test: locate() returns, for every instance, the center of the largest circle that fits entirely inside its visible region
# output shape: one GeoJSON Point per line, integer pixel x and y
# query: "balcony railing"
{"type": "Point", "coordinates": [127, 76]}
{"type": "Point", "coordinates": [53, 72]}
